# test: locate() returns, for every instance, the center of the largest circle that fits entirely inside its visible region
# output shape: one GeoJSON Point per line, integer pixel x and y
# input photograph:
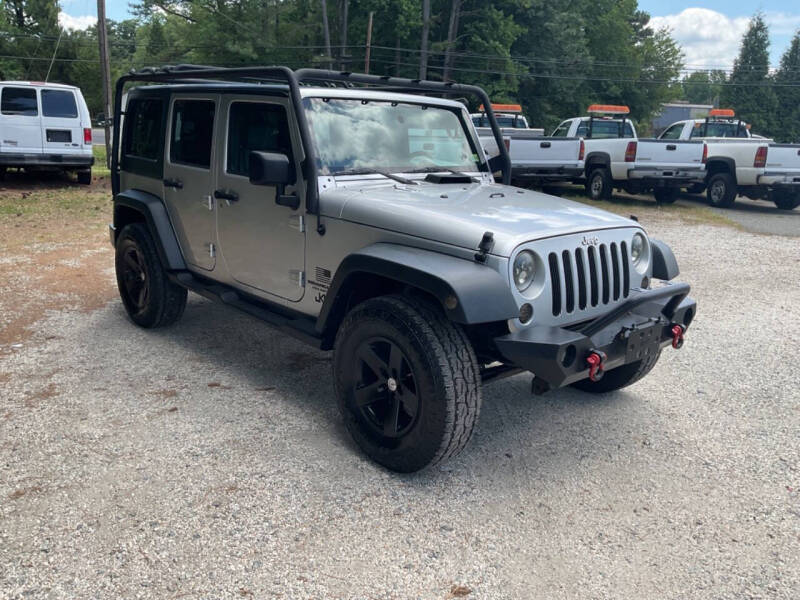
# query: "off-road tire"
{"type": "Point", "coordinates": [620, 377]}
{"type": "Point", "coordinates": [599, 184]}
{"type": "Point", "coordinates": [667, 195]}
{"type": "Point", "coordinates": [785, 199]}
{"type": "Point", "coordinates": [721, 190]}
{"type": "Point", "coordinates": [445, 376]}
{"type": "Point", "coordinates": [696, 188]}
{"type": "Point", "coordinates": [163, 301]}
{"type": "Point", "coordinates": [85, 176]}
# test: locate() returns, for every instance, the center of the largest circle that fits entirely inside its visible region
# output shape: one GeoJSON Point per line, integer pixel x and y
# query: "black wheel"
{"type": "Point", "coordinates": [721, 191]}
{"type": "Point", "coordinates": [599, 184]}
{"type": "Point", "coordinates": [85, 176]}
{"type": "Point", "coordinates": [150, 298]}
{"type": "Point", "coordinates": [696, 188]}
{"type": "Point", "coordinates": [785, 199]}
{"type": "Point", "coordinates": [407, 382]}
{"type": "Point", "coordinates": [620, 377]}
{"type": "Point", "coordinates": [666, 195]}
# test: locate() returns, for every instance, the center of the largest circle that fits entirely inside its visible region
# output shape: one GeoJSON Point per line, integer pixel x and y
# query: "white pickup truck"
{"type": "Point", "coordinates": [739, 163]}
{"type": "Point", "coordinates": [616, 158]}
{"type": "Point", "coordinates": [535, 158]}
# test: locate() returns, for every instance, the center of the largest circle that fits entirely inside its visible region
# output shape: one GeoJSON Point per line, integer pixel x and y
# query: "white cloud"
{"type": "Point", "coordinates": [709, 39]}
{"type": "Point", "coordinates": [781, 23]}
{"type": "Point", "coordinates": [69, 22]}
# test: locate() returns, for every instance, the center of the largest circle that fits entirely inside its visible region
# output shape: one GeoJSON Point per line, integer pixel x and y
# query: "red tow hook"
{"type": "Point", "coordinates": [677, 335]}
{"type": "Point", "coordinates": [596, 361]}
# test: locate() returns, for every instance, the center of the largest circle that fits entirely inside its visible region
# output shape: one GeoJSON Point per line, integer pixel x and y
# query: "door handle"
{"type": "Point", "coordinates": [544, 144]}
{"type": "Point", "coordinates": [228, 195]}
{"type": "Point", "coordinates": [173, 183]}
{"type": "Point", "coordinates": [671, 147]}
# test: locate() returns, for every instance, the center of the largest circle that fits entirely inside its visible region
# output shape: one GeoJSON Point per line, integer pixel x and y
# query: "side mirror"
{"type": "Point", "coordinates": [270, 168]}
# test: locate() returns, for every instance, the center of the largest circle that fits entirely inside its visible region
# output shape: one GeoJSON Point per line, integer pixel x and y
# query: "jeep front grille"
{"type": "Point", "coordinates": [588, 277]}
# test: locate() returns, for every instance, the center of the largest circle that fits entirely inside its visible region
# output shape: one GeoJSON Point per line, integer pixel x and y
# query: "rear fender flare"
{"type": "Point", "coordinates": [597, 159]}
{"type": "Point", "coordinates": [154, 214]}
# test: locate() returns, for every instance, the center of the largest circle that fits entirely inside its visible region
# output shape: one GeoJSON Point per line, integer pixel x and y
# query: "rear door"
{"type": "Point", "coordinates": [261, 242]}
{"type": "Point", "coordinates": [61, 124]}
{"type": "Point", "coordinates": [20, 122]}
{"type": "Point", "coordinates": [188, 177]}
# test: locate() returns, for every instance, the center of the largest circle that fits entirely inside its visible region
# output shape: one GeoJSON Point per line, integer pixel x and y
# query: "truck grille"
{"type": "Point", "coordinates": [588, 277]}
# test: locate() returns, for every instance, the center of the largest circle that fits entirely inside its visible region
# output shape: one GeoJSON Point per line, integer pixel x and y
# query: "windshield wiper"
{"type": "Point", "coordinates": [439, 169]}
{"type": "Point", "coordinates": [370, 171]}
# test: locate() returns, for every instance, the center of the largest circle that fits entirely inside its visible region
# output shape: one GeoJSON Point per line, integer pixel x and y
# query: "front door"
{"type": "Point", "coordinates": [261, 242]}
{"type": "Point", "coordinates": [188, 177]}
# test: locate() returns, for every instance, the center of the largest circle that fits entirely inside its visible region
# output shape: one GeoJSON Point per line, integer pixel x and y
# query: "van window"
{"type": "Point", "coordinates": [143, 128]}
{"type": "Point", "coordinates": [255, 126]}
{"type": "Point", "coordinates": [19, 101]}
{"type": "Point", "coordinates": [192, 131]}
{"type": "Point", "coordinates": [59, 103]}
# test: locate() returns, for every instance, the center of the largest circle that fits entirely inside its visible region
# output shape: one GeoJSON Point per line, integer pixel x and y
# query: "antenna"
{"type": "Point", "coordinates": [52, 60]}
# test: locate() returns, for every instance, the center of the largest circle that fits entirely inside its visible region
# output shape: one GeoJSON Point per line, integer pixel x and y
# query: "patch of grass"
{"type": "Point", "coordinates": [100, 169]}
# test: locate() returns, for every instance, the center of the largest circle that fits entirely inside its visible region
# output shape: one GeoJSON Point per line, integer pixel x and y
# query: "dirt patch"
{"type": "Point", "coordinates": [17, 494]}
{"type": "Point", "coordinates": [33, 400]}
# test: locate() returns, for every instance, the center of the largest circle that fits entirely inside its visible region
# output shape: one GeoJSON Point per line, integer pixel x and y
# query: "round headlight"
{"type": "Point", "coordinates": [524, 270]}
{"type": "Point", "coordinates": [637, 248]}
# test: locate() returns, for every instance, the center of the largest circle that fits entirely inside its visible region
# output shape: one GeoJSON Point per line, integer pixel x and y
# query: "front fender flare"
{"type": "Point", "coordinates": [665, 266]}
{"type": "Point", "coordinates": [469, 292]}
{"type": "Point", "coordinates": [152, 208]}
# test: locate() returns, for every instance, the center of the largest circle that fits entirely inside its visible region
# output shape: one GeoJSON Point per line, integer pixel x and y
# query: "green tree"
{"type": "Point", "coordinates": [703, 87]}
{"type": "Point", "coordinates": [787, 91]}
{"type": "Point", "coordinates": [750, 92]}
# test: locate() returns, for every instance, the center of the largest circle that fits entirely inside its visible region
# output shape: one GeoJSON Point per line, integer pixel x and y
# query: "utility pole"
{"type": "Point", "coordinates": [327, 32]}
{"type": "Point", "coordinates": [369, 41]}
{"type": "Point", "coordinates": [426, 27]}
{"type": "Point", "coordinates": [105, 70]}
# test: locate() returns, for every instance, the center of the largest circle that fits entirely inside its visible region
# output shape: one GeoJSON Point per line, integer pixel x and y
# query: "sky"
{"type": "Point", "coordinates": [709, 30]}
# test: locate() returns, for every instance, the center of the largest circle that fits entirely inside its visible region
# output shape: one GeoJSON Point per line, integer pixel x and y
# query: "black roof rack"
{"type": "Point", "coordinates": [189, 73]}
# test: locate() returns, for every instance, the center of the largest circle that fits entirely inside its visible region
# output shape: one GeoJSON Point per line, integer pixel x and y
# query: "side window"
{"type": "Point", "coordinates": [192, 132]}
{"type": "Point", "coordinates": [255, 126]}
{"type": "Point", "coordinates": [19, 101]}
{"type": "Point", "coordinates": [699, 130]}
{"type": "Point", "coordinates": [143, 128]}
{"type": "Point", "coordinates": [562, 130]}
{"type": "Point", "coordinates": [583, 129]}
{"type": "Point", "coordinates": [59, 103]}
{"type": "Point", "coordinates": [628, 130]}
{"type": "Point", "coordinates": [673, 133]}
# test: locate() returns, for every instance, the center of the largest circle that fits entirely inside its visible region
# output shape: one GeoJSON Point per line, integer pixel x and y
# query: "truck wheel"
{"type": "Point", "coordinates": [785, 199]}
{"type": "Point", "coordinates": [696, 188]}
{"type": "Point", "coordinates": [599, 184]}
{"type": "Point", "coordinates": [85, 176]}
{"type": "Point", "coordinates": [150, 298]}
{"type": "Point", "coordinates": [407, 382]}
{"type": "Point", "coordinates": [721, 190]}
{"type": "Point", "coordinates": [620, 377]}
{"type": "Point", "coordinates": [666, 195]}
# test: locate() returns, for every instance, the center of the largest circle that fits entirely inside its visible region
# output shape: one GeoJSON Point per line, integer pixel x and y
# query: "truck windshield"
{"type": "Point", "coordinates": [353, 135]}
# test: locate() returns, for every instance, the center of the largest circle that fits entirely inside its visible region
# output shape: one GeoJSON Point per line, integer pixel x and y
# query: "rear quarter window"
{"type": "Point", "coordinates": [18, 101]}
{"type": "Point", "coordinates": [59, 103]}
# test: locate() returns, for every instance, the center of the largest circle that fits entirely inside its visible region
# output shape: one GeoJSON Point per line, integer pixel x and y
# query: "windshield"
{"type": "Point", "coordinates": [360, 135]}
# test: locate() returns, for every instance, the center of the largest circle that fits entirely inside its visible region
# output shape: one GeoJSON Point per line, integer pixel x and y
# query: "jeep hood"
{"type": "Point", "coordinates": [459, 214]}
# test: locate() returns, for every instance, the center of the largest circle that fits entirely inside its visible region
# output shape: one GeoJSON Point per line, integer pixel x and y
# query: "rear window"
{"type": "Point", "coordinates": [59, 103]}
{"type": "Point", "coordinates": [723, 130]}
{"type": "Point", "coordinates": [19, 101]}
{"type": "Point", "coordinates": [143, 128]}
{"type": "Point", "coordinates": [602, 129]}
{"type": "Point", "coordinates": [192, 130]}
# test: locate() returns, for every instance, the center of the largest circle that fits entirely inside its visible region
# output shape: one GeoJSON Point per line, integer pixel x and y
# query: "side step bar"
{"type": "Point", "coordinates": [300, 327]}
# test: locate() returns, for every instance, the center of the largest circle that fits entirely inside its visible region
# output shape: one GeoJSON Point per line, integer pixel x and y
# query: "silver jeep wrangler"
{"type": "Point", "coordinates": [359, 214]}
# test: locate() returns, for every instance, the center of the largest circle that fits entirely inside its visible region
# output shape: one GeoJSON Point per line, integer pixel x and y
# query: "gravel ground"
{"type": "Point", "coordinates": [208, 461]}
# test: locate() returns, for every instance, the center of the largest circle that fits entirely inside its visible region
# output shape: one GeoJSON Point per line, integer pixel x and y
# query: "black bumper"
{"type": "Point", "coordinates": [64, 161]}
{"type": "Point", "coordinates": [547, 174]}
{"type": "Point", "coordinates": [637, 328]}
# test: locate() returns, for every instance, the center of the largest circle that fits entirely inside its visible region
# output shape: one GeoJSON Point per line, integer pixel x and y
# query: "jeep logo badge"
{"type": "Point", "coordinates": [590, 240]}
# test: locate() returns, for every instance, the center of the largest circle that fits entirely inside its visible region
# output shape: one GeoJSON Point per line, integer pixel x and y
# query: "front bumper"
{"type": "Point", "coordinates": [635, 329]}
{"type": "Point", "coordinates": [666, 177]}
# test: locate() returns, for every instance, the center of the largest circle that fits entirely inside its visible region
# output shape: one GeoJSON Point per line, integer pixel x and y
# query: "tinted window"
{"type": "Point", "coordinates": [192, 130]}
{"type": "Point", "coordinates": [562, 130]}
{"type": "Point", "coordinates": [143, 128]}
{"type": "Point", "coordinates": [255, 126]}
{"type": "Point", "coordinates": [19, 101]}
{"type": "Point", "coordinates": [59, 103]}
{"type": "Point", "coordinates": [673, 133]}
{"type": "Point", "coordinates": [724, 130]}
{"type": "Point", "coordinates": [602, 129]}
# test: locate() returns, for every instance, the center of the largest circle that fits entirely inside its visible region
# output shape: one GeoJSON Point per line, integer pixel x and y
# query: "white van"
{"type": "Point", "coordinates": [45, 125]}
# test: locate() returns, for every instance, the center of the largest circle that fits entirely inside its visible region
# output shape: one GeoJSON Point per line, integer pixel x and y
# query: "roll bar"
{"type": "Point", "coordinates": [293, 79]}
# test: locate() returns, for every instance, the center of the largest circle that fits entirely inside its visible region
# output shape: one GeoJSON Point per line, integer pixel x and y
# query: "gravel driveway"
{"type": "Point", "coordinates": [208, 461]}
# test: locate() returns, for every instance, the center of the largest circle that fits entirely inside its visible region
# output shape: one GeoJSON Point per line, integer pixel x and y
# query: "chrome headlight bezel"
{"type": "Point", "coordinates": [640, 252]}
{"type": "Point", "coordinates": [529, 258]}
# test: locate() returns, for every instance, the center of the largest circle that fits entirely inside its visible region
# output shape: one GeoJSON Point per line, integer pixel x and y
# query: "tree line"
{"type": "Point", "coordinates": [554, 57]}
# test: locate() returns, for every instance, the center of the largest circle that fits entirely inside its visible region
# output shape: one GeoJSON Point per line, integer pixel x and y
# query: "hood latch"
{"type": "Point", "coordinates": [485, 246]}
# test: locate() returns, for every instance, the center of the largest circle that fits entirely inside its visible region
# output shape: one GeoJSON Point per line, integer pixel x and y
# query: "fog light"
{"type": "Point", "coordinates": [525, 312]}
